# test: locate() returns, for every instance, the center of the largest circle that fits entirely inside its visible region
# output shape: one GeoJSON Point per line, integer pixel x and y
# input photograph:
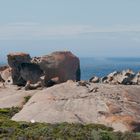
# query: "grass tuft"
{"type": "Point", "coordinates": [26, 99]}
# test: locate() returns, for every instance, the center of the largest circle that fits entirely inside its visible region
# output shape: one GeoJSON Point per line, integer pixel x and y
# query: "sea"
{"type": "Point", "coordinates": [103, 66]}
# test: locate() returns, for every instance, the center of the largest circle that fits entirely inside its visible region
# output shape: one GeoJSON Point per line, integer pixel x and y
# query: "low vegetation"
{"type": "Point", "coordinates": [11, 130]}
{"type": "Point", "coordinates": [26, 99]}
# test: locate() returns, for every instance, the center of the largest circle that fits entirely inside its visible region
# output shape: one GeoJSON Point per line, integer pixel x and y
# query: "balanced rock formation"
{"type": "Point", "coordinates": [57, 67]}
{"type": "Point", "coordinates": [115, 106]}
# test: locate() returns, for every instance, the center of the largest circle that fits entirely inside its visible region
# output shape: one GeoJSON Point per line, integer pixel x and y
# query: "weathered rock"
{"type": "Point", "coordinates": [113, 105]}
{"type": "Point", "coordinates": [14, 60]}
{"type": "Point", "coordinates": [63, 65]}
{"type": "Point", "coordinates": [30, 72]}
{"type": "Point", "coordinates": [94, 79]}
{"type": "Point", "coordinates": [126, 77]}
{"type": "Point", "coordinates": [12, 97]}
{"type": "Point", "coordinates": [115, 73]}
{"type": "Point", "coordinates": [52, 82]}
{"type": "Point", "coordinates": [83, 83]}
{"type": "Point", "coordinates": [9, 81]}
{"type": "Point", "coordinates": [1, 70]}
{"type": "Point", "coordinates": [35, 60]}
{"type": "Point", "coordinates": [104, 79]}
{"type": "Point", "coordinates": [136, 79]}
{"type": "Point", "coordinates": [128, 73]}
{"type": "Point", "coordinates": [5, 74]}
{"type": "Point", "coordinates": [1, 80]}
{"type": "Point", "coordinates": [114, 109]}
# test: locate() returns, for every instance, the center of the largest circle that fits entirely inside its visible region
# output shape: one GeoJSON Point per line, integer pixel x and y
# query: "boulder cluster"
{"type": "Point", "coordinates": [57, 67]}
{"type": "Point", "coordinates": [125, 77]}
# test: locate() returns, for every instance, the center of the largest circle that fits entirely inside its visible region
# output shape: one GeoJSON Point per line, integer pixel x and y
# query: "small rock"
{"type": "Point", "coordinates": [83, 83]}
{"type": "Point", "coordinates": [94, 79]}
{"type": "Point", "coordinates": [32, 121]}
{"type": "Point", "coordinates": [104, 79]}
{"type": "Point", "coordinates": [113, 74]}
{"type": "Point", "coordinates": [95, 89]}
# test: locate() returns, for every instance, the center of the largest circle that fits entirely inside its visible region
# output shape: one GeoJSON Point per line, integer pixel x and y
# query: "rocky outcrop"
{"type": "Point", "coordinates": [116, 106]}
{"type": "Point", "coordinates": [126, 77]}
{"type": "Point", "coordinates": [13, 96]}
{"type": "Point", "coordinates": [56, 68]}
{"type": "Point", "coordinates": [14, 60]}
{"type": "Point", "coordinates": [64, 65]}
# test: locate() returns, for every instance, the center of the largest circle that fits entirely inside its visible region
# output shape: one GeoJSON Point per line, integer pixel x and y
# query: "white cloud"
{"type": "Point", "coordinates": [29, 30]}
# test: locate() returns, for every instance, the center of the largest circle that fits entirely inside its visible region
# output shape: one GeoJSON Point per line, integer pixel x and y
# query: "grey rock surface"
{"type": "Point", "coordinates": [11, 96]}
{"type": "Point", "coordinates": [61, 65]}
{"type": "Point", "coordinates": [117, 106]}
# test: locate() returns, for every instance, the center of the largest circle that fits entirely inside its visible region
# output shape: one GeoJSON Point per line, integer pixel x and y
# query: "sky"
{"type": "Point", "coordinates": [88, 28]}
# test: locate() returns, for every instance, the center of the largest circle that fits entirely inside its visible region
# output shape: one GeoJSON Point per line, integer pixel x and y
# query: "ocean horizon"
{"type": "Point", "coordinates": [103, 66]}
{"type": "Point", "coordinates": [91, 66]}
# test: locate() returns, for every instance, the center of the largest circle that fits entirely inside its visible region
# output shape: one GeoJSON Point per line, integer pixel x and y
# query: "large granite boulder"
{"type": "Point", "coordinates": [116, 106]}
{"type": "Point", "coordinates": [14, 60]}
{"type": "Point", "coordinates": [64, 65]}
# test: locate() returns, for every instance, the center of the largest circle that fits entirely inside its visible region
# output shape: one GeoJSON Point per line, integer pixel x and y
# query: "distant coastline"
{"type": "Point", "coordinates": [103, 66]}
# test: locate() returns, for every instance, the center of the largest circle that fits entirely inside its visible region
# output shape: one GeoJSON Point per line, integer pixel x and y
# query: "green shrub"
{"type": "Point", "coordinates": [63, 131]}
{"type": "Point", "coordinates": [9, 112]}
{"type": "Point", "coordinates": [26, 99]}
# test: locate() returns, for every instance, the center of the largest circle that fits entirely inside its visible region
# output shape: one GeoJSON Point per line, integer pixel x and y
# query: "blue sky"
{"type": "Point", "coordinates": [88, 28]}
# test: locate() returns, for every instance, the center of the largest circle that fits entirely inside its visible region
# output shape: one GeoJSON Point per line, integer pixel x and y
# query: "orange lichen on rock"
{"type": "Point", "coordinates": [114, 109]}
{"type": "Point", "coordinates": [128, 121]}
